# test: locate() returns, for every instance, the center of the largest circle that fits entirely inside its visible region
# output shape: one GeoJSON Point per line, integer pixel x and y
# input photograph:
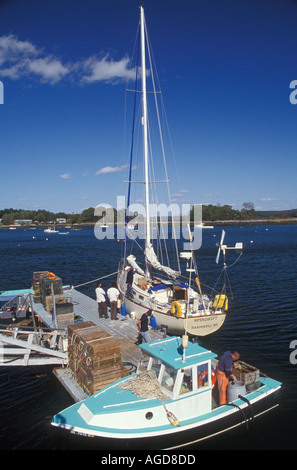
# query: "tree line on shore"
{"type": "Point", "coordinates": [210, 213]}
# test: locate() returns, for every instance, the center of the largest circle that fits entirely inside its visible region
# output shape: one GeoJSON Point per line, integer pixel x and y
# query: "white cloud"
{"type": "Point", "coordinates": [12, 49]}
{"type": "Point", "coordinates": [268, 199]}
{"type": "Point", "coordinates": [211, 195]}
{"type": "Point", "coordinates": [49, 69]}
{"type": "Point", "coordinates": [110, 169]}
{"type": "Point", "coordinates": [14, 56]}
{"type": "Point", "coordinates": [66, 176]}
{"type": "Point", "coordinates": [105, 69]}
{"type": "Point", "coordinates": [181, 193]}
{"type": "Point", "coordinates": [19, 59]}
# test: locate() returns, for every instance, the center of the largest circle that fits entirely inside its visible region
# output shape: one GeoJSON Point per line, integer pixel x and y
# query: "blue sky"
{"type": "Point", "coordinates": [225, 69]}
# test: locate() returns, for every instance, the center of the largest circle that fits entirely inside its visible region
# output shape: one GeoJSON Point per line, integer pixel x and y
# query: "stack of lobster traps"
{"type": "Point", "coordinates": [44, 284]}
{"type": "Point", "coordinates": [48, 290]}
{"type": "Point", "coordinates": [94, 356]}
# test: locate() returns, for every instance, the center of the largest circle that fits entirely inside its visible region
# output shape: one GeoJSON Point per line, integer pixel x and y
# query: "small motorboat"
{"type": "Point", "coordinates": [51, 230]}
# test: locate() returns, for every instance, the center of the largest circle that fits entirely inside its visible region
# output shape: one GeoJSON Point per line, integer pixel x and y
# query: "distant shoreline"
{"type": "Point", "coordinates": [278, 221]}
{"type": "Point", "coordinates": [292, 221]}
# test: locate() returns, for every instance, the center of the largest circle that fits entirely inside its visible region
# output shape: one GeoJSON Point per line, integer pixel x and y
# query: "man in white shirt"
{"type": "Point", "coordinates": [113, 295]}
{"type": "Point", "coordinates": [100, 297]}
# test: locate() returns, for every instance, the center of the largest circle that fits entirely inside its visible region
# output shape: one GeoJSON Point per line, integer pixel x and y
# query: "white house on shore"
{"type": "Point", "coordinates": [23, 222]}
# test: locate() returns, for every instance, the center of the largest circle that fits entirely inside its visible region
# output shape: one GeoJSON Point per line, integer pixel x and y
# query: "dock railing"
{"type": "Point", "coordinates": [25, 347]}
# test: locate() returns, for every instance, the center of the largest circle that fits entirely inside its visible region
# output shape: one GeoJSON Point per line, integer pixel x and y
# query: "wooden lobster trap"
{"type": "Point", "coordinates": [94, 356]}
{"type": "Point", "coordinates": [245, 373]}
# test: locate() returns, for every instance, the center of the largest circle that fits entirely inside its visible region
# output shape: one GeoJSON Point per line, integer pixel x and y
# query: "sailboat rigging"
{"type": "Point", "coordinates": [159, 287]}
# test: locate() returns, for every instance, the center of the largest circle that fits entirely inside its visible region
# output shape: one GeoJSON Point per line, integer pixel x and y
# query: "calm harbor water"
{"type": "Point", "coordinates": [261, 323]}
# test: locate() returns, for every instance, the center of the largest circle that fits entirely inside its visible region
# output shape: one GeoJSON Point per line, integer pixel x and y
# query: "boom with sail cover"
{"type": "Point", "coordinates": [152, 259]}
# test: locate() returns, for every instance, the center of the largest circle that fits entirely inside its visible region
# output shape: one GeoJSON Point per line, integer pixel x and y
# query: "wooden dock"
{"type": "Point", "coordinates": [87, 309]}
{"type": "Point", "coordinates": [124, 329]}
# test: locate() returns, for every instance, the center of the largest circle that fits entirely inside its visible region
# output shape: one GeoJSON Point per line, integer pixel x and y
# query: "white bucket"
{"type": "Point", "coordinates": [235, 389]}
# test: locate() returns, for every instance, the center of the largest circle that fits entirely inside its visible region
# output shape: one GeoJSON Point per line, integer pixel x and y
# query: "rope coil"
{"type": "Point", "coordinates": [145, 385]}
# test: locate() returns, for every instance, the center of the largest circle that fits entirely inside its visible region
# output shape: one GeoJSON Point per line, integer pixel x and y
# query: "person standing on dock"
{"type": "Point", "coordinates": [113, 295]}
{"type": "Point", "coordinates": [224, 373]}
{"type": "Point", "coordinates": [100, 297]}
{"type": "Point", "coordinates": [143, 326]}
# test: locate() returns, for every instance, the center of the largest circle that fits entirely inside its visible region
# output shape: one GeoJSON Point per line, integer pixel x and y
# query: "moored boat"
{"type": "Point", "coordinates": [167, 405]}
{"type": "Point", "coordinates": [174, 294]}
{"type": "Point", "coordinates": [51, 230]}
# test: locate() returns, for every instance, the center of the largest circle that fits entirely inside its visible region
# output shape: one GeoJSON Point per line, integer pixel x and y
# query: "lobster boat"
{"type": "Point", "coordinates": [168, 404]}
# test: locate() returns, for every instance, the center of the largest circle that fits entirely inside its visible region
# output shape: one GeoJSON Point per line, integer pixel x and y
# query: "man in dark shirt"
{"type": "Point", "coordinates": [129, 281]}
{"type": "Point", "coordinates": [143, 326]}
{"type": "Point", "coordinates": [224, 373]}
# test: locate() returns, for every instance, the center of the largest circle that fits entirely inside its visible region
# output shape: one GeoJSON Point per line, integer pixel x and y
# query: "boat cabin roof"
{"type": "Point", "coordinates": [170, 352]}
{"type": "Point", "coordinates": [166, 286]}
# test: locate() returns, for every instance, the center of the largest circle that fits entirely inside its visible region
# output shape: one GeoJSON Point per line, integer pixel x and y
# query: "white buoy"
{"type": "Point", "coordinates": [185, 340]}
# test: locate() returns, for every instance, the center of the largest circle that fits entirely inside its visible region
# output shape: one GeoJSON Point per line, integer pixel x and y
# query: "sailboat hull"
{"type": "Point", "coordinates": [205, 324]}
{"type": "Point", "coordinates": [202, 322]}
{"type": "Point", "coordinates": [198, 325]}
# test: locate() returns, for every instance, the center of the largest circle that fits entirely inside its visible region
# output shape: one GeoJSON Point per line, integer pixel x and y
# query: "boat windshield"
{"type": "Point", "coordinates": [168, 378]}
{"type": "Point", "coordinates": [156, 366]}
{"type": "Point", "coordinates": [203, 376]}
{"type": "Point", "coordinates": [187, 383]}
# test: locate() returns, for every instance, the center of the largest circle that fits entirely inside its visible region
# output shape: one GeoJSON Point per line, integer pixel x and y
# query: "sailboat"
{"type": "Point", "coordinates": [176, 300]}
{"type": "Point", "coordinates": [202, 225]}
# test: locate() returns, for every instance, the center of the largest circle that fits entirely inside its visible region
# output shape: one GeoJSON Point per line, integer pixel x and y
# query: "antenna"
{"type": "Point", "coordinates": [223, 248]}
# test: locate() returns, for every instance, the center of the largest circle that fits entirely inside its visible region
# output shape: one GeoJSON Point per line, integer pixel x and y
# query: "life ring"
{"type": "Point", "coordinates": [204, 375]}
{"type": "Point", "coordinates": [176, 308]}
{"type": "Point", "coordinates": [51, 276]}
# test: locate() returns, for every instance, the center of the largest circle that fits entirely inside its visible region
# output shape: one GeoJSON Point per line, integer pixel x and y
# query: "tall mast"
{"type": "Point", "coordinates": [144, 124]}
